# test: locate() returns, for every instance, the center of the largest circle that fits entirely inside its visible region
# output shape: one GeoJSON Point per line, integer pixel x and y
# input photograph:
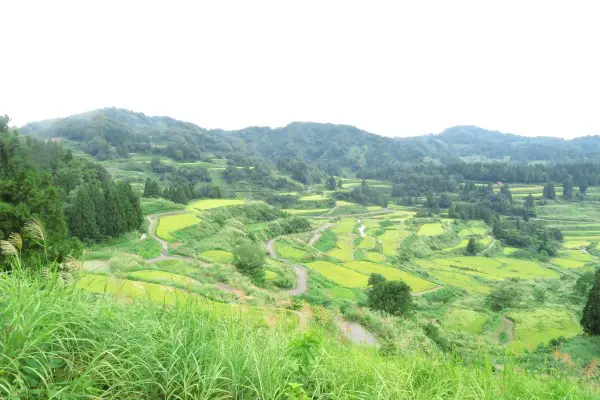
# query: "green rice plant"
{"type": "Point", "coordinates": [345, 225]}
{"type": "Point", "coordinates": [218, 256]}
{"type": "Point", "coordinates": [338, 274]}
{"type": "Point", "coordinates": [286, 250]}
{"type": "Point", "coordinates": [327, 241]}
{"type": "Point", "coordinates": [509, 250]}
{"type": "Point", "coordinates": [207, 204]}
{"type": "Point", "coordinates": [309, 212]}
{"type": "Point", "coordinates": [159, 205]}
{"type": "Point", "coordinates": [466, 320]}
{"type": "Point", "coordinates": [540, 326]}
{"type": "Point", "coordinates": [376, 257]}
{"type": "Point", "coordinates": [391, 239]}
{"type": "Point", "coordinates": [171, 223]}
{"type": "Point", "coordinates": [390, 273]}
{"type": "Point", "coordinates": [431, 229]}
{"type": "Point", "coordinates": [577, 255]}
{"type": "Point", "coordinates": [350, 209]}
{"type": "Point", "coordinates": [341, 293]}
{"type": "Point", "coordinates": [368, 242]}
{"type": "Point", "coordinates": [313, 197]}
{"type": "Point", "coordinates": [565, 263]}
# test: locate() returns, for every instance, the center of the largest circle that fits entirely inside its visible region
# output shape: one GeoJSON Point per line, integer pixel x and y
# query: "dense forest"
{"type": "Point", "coordinates": [72, 198]}
{"type": "Point", "coordinates": [307, 150]}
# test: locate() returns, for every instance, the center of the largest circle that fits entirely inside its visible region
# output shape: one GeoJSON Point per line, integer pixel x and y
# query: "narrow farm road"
{"type": "Point", "coordinates": [435, 289]}
{"type": "Point", "coordinates": [164, 246]}
{"type": "Point", "coordinates": [271, 248]}
{"type": "Point", "coordinates": [301, 277]}
{"type": "Point", "coordinates": [356, 333]}
{"type": "Point", "coordinates": [315, 238]}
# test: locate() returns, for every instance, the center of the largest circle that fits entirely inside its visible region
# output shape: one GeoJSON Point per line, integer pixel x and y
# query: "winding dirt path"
{"type": "Point", "coordinates": [506, 325]}
{"type": "Point", "coordinates": [164, 245]}
{"type": "Point", "coordinates": [301, 277]}
{"type": "Point", "coordinates": [356, 333]}
{"type": "Point", "coordinates": [435, 289]}
{"type": "Point", "coordinates": [315, 238]}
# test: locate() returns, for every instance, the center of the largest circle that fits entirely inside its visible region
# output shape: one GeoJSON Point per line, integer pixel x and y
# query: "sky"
{"type": "Point", "coordinates": [389, 67]}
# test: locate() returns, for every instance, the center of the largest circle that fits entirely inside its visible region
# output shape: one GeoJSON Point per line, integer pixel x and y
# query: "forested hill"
{"type": "Point", "coordinates": [111, 132]}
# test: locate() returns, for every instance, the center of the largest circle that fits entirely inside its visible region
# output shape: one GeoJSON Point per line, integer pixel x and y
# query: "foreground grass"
{"type": "Point", "coordinates": [57, 342]}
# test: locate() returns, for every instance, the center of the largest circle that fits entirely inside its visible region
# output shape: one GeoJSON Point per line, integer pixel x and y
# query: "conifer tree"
{"type": "Point", "coordinates": [82, 215]}
{"type": "Point", "coordinates": [590, 321]}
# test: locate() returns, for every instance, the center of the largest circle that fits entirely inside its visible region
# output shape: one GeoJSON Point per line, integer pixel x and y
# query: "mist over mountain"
{"type": "Point", "coordinates": [112, 132]}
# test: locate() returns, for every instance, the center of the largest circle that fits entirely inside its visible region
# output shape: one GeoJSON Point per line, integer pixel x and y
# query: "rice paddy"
{"type": "Point", "coordinates": [432, 229]}
{"type": "Point", "coordinates": [368, 242]}
{"type": "Point", "coordinates": [207, 204]}
{"type": "Point", "coordinates": [464, 319]}
{"type": "Point", "coordinates": [163, 277]}
{"type": "Point", "coordinates": [313, 197]}
{"type": "Point", "coordinates": [172, 223]}
{"type": "Point", "coordinates": [376, 257]}
{"type": "Point", "coordinates": [338, 274]}
{"type": "Point", "coordinates": [220, 256]}
{"type": "Point", "coordinates": [391, 240]}
{"type": "Point", "coordinates": [341, 293]}
{"type": "Point", "coordinates": [390, 273]}
{"type": "Point", "coordinates": [540, 326]}
{"type": "Point", "coordinates": [286, 250]}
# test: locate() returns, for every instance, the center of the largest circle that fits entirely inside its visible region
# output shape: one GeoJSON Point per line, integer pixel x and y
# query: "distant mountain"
{"type": "Point", "coordinates": [113, 132]}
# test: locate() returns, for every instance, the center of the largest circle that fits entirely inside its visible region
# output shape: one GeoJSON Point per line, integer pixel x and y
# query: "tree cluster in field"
{"type": "Point", "coordinates": [393, 297]}
{"type": "Point", "coordinates": [364, 195]}
{"type": "Point", "coordinates": [100, 211]}
{"type": "Point", "coordinates": [43, 181]}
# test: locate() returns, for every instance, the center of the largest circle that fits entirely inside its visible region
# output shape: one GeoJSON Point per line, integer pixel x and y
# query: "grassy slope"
{"type": "Point", "coordinates": [61, 339]}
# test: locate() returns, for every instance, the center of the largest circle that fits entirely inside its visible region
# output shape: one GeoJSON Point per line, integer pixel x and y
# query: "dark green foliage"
{"type": "Point", "coordinates": [590, 321]}
{"type": "Point", "coordinates": [472, 247]}
{"type": "Point", "coordinates": [434, 333]}
{"type": "Point", "coordinates": [584, 283]}
{"type": "Point", "coordinates": [375, 279]}
{"type": "Point", "coordinates": [326, 241]}
{"type": "Point", "coordinates": [392, 297]}
{"type": "Point", "coordinates": [82, 215]}
{"type": "Point", "coordinates": [505, 295]}
{"type": "Point", "coordinates": [151, 188]}
{"type": "Point", "coordinates": [249, 259]}
{"type": "Point", "coordinates": [568, 189]}
{"type": "Point", "coordinates": [550, 191]}
{"type": "Point", "coordinates": [331, 183]}
{"type": "Point", "coordinates": [533, 236]}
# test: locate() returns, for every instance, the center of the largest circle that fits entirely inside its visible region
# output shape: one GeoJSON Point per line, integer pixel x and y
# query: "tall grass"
{"type": "Point", "coordinates": [57, 342]}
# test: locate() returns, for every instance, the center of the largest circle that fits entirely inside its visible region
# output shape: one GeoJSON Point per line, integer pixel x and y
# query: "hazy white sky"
{"type": "Point", "coordinates": [389, 67]}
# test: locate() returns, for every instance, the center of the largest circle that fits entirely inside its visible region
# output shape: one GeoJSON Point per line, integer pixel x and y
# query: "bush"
{"type": "Point", "coordinates": [505, 295]}
{"type": "Point", "coordinates": [249, 259]}
{"type": "Point", "coordinates": [393, 297]}
{"type": "Point", "coordinates": [375, 279]}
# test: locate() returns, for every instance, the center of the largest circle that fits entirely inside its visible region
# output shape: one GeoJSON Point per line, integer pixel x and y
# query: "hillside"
{"type": "Point", "coordinates": [337, 149]}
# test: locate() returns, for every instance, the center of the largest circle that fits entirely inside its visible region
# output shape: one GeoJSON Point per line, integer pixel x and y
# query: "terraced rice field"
{"type": "Point", "coordinates": [565, 263]}
{"type": "Point", "coordinates": [509, 250]}
{"type": "Point", "coordinates": [345, 247]}
{"type": "Point", "coordinates": [368, 242]}
{"type": "Point", "coordinates": [391, 240]}
{"type": "Point", "coordinates": [285, 250]}
{"type": "Point", "coordinates": [315, 211]}
{"type": "Point", "coordinates": [220, 256]}
{"type": "Point", "coordinates": [164, 277]}
{"type": "Point", "coordinates": [576, 244]}
{"type": "Point", "coordinates": [467, 272]}
{"type": "Point", "coordinates": [376, 257]}
{"type": "Point", "coordinates": [345, 225]}
{"type": "Point", "coordinates": [338, 274]}
{"type": "Point", "coordinates": [172, 223]}
{"type": "Point", "coordinates": [431, 229]}
{"type": "Point", "coordinates": [473, 231]}
{"type": "Point", "coordinates": [367, 268]}
{"type": "Point", "coordinates": [341, 293]}
{"type": "Point", "coordinates": [577, 255]}
{"type": "Point", "coordinates": [374, 208]}
{"type": "Point", "coordinates": [270, 275]}
{"type": "Point", "coordinates": [313, 197]}
{"type": "Point", "coordinates": [465, 320]}
{"type": "Point", "coordinates": [463, 244]}
{"type": "Point", "coordinates": [540, 326]}
{"type": "Point", "coordinates": [207, 204]}
{"type": "Point", "coordinates": [134, 289]}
